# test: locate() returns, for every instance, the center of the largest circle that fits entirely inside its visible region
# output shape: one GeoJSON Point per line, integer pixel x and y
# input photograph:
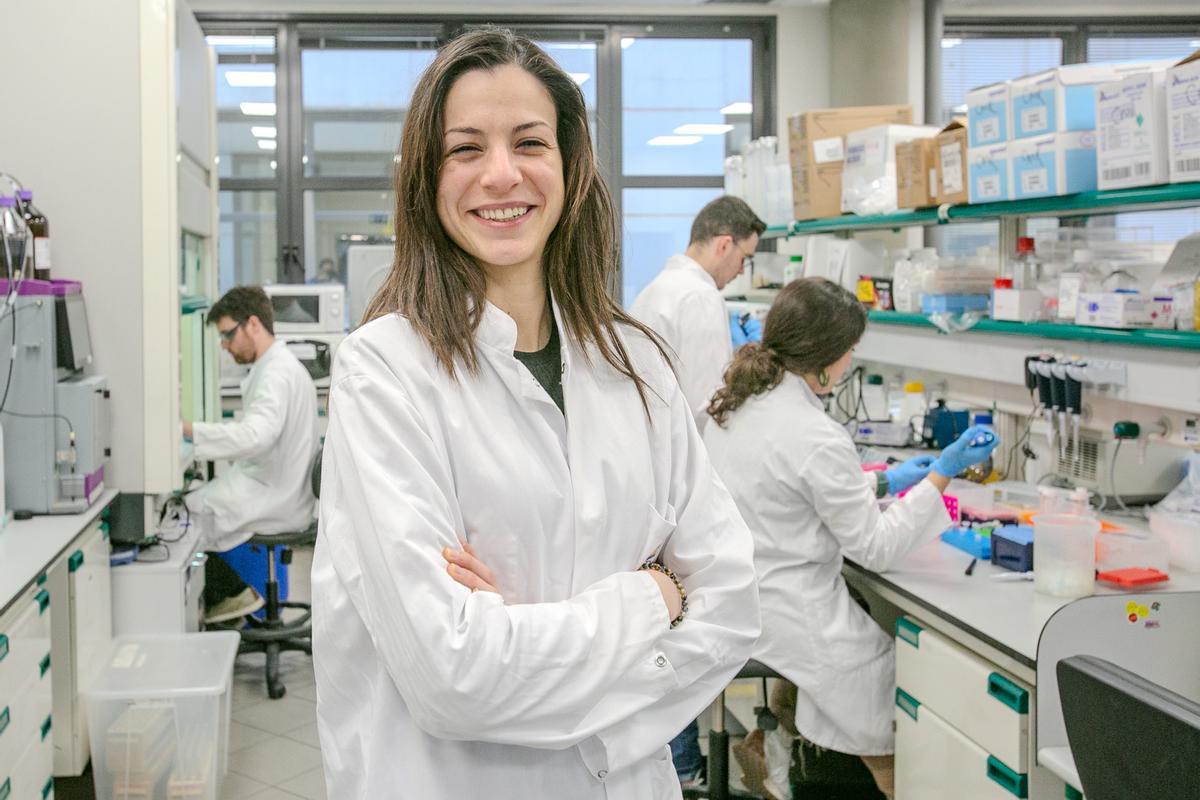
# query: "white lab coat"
{"type": "Point", "coordinates": [272, 446]}
{"type": "Point", "coordinates": [683, 306]}
{"type": "Point", "coordinates": [796, 478]}
{"type": "Point", "coordinates": [573, 683]}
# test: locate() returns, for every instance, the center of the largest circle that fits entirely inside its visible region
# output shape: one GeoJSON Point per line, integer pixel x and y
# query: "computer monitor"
{"type": "Point", "coordinates": [1130, 738]}
{"type": "Point", "coordinates": [71, 324]}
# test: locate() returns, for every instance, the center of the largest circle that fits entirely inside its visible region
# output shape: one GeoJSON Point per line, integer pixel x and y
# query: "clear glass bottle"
{"type": "Point", "coordinates": [12, 227]}
{"type": "Point", "coordinates": [39, 226]}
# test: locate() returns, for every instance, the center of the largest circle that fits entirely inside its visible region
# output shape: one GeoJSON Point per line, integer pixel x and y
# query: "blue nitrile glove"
{"type": "Point", "coordinates": [975, 445]}
{"type": "Point", "coordinates": [753, 329]}
{"type": "Point", "coordinates": [908, 473]}
{"type": "Point", "coordinates": [736, 332]}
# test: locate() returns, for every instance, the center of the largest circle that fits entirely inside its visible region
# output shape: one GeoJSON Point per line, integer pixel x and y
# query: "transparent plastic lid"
{"type": "Point", "coordinates": [189, 664]}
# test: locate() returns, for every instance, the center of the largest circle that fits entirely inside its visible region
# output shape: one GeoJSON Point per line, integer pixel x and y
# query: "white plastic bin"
{"type": "Point", "coordinates": [158, 716]}
{"type": "Point", "coordinates": [1065, 554]}
{"type": "Point", "coordinates": [1182, 535]}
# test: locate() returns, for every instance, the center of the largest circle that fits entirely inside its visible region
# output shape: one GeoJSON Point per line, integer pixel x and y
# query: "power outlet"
{"type": "Point", "coordinates": [1191, 431]}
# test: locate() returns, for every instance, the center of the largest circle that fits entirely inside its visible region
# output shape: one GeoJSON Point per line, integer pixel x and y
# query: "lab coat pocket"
{"type": "Point", "coordinates": [659, 527]}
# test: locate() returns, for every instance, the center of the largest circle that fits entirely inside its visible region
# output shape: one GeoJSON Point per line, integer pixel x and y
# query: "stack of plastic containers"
{"type": "Point", "coordinates": [1064, 534]}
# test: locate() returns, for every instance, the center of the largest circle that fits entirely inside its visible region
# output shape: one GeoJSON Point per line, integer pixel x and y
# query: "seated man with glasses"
{"type": "Point", "coordinates": [684, 306]}
{"type": "Point", "coordinates": [272, 446]}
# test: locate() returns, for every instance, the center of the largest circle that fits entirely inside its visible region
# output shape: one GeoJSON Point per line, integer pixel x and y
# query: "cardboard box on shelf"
{"type": "Point", "coordinates": [1183, 113]}
{"type": "Point", "coordinates": [1131, 131]}
{"type": "Point", "coordinates": [952, 164]}
{"type": "Point", "coordinates": [987, 174]}
{"type": "Point", "coordinates": [989, 115]}
{"type": "Point", "coordinates": [817, 148]}
{"type": "Point", "coordinates": [869, 175]}
{"type": "Point", "coordinates": [1058, 99]}
{"type": "Point", "coordinates": [916, 173]}
{"type": "Point", "coordinates": [1054, 164]}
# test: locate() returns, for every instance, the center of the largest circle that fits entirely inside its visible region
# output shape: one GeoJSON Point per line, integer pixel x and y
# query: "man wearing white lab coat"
{"type": "Point", "coordinates": [272, 446]}
{"type": "Point", "coordinates": [684, 306]}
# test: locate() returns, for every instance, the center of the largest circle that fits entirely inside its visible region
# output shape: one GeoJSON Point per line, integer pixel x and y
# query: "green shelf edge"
{"type": "Point", "coordinates": [1163, 339]}
{"type": "Point", "coordinates": [1171, 195]}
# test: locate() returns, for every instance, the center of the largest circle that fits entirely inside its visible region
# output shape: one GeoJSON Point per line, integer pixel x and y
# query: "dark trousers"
{"type": "Point", "coordinates": [220, 581]}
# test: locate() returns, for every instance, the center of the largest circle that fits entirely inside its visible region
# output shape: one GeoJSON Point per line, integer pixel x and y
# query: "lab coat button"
{"type": "Point", "coordinates": [602, 774]}
{"type": "Point", "coordinates": [661, 660]}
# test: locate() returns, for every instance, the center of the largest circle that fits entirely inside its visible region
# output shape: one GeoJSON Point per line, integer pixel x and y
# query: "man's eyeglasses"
{"type": "Point", "coordinates": [227, 336]}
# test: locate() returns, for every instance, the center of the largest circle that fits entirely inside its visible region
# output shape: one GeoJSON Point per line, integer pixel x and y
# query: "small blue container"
{"type": "Point", "coordinates": [969, 541]}
{"type": "Point", "coordinates": [953, 303]}
{"type": "Point", "coordinates": [1012, 547]}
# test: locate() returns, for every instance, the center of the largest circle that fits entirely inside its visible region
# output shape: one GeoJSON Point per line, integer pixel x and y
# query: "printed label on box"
{"type": "Point", "coordinates": [989, 186]}
{"type": "Point", "coordinates": [988, 129]}
{"type": "Point", "coordinates": [952, 169]}
{"type": "Point", "coordinates": [873, 152]}
{"type": "Point", "coordinates": [1035, 181]}
{"type": "Point", "coordinates": [828, 150]}
{"type": "Point", "coordinates": [1033, 118]}
{"type": "Point", "coordinates": [932, 180]}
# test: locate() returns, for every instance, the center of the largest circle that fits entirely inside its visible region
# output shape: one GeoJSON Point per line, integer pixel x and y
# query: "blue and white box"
{"type": "Point", "coordinates": [1131, 131]}
{"type": "Point", "coordinates": [1183, 118]}
{"type": "Point", "coordinates": [1054, 164]}
{"type": "Point", "coordinates": [989, 115]}
{"type": "Point", "coordinates": [1057, 100]}
{"type": "Point", "coordinates": [987, 174]}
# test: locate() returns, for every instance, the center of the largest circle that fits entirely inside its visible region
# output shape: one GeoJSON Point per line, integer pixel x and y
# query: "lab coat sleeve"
{"type": "Point", "coordinates": [843, 497]}
{"type": "Point", "coordinates": [468, 666]}
{"type": "Point", "coordinates": [712, 551]}
{"type": "Point", "coordinates": [704, 349]}
{"type": "Point", "coordinates": [255, 433]}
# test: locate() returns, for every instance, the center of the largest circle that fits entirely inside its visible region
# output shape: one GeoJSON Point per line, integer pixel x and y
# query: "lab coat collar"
{"type": "Point", "coordinates": [270, 354]}
{"type": "Point", "coordinates": [794, 382]}
{"type": "Point", "coordinates": [691, 266]}
{"type": "Point", "coordinates": [498, 331]}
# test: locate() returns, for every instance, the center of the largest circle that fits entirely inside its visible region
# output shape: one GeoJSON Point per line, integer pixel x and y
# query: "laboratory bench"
{"type": "Point", "coordinates": [55, 628]}
{"type": "Point", "coordinates": [977, 708]}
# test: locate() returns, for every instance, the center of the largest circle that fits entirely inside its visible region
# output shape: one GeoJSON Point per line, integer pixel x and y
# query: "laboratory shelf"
{"type": "Point", "coordinates": [1173, 195]}
{"type": "Point", "coordinates": [1142, 337]}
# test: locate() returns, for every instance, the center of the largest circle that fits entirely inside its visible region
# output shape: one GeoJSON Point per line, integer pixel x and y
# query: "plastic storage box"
{"type": "Point", "coordinates": [158, 716]}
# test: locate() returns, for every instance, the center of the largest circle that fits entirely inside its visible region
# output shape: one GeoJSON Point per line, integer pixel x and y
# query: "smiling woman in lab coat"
{"type": "Point", "coordinates": [796, 477]}
{"type": "Point", "coordinates": [540, 661]}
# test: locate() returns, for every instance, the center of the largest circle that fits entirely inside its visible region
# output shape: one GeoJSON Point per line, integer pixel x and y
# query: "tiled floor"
{"type": "Point", "coordinates": [273, 749]}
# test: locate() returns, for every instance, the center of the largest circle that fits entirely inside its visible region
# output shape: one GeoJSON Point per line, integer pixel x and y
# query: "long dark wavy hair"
{"type": "Point", "coordinates": [433, 281]}
{"type": "Point", "coordinates": [812, 323]}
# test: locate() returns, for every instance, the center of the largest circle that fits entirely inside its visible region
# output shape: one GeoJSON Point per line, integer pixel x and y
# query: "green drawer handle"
{"type": "Point", "coordinates": [5, 789]}
{"type": "Point", "coordinates": [5, 718]}
{"type": "Point", "coordinates": [41, 579]}
{"type": "Point", "coordinates": [104, 527]}
{"type": "Point", "coordinates": [909, 631]}
{"type": "Point", "coordinates": [75, 561]}
{"type": "Point", "coordinates": [1008, 693]}
{"type": "Point", "coordinates": [1071, 793]}
{"type": "Point", "coordinates": [907, 703]}
{"type": "Point", "coordinates": [1016, 783]}
{"type": "Point", "coordinates": [43, 601]}
{"type": "Point", "coordinates": [48, 788]}
{"type": "Point", "coordinates": [45, 666]}
{"type": "Point", "coordinates": [46, 729]}
{"type": "Point", "coordinates": [3, 646]}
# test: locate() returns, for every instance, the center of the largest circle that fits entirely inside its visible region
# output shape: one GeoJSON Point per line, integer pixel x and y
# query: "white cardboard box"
{"type": "Point", "coordinates": [1016, 305]}
{"type": "Point", "coordinates": [988, 174]}
{"type": "Point", "coordinates": [1054, 164]}
{"type": "Point", "coordinates": [1183, 119]}
{"type": "Point", "coordinates": [869, 173]}
{"type": "Point", "coordinates": [1058, 99]}
{"type": "Point", "coordinates": [989, 115]}
{"type": "Point", "coordinates": [1113, 310]}
{"type": "Point", "coordinates": [1131, 131]}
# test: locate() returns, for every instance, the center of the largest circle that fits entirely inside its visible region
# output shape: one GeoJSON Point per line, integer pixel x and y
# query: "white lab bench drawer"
{"type": "Point", "coordinates": [33, 778]}
{"type": "Point", "coordinates": [24, 673]}
{"type": "Point", "coordinates": [934, 761]}
{"type": "Point", "coordinates": [80, 583]}
{"type": "Point", "coordinates": [25, 714]}
{"type": "Point", "coordinates": [968, 692]}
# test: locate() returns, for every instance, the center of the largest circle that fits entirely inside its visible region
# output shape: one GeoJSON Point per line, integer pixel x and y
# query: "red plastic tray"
{"type": "Point", "coordinates": [1131, 577]}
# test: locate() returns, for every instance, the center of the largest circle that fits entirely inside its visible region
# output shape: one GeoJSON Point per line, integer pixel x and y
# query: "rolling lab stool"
{"type": "Point", "coordinates": [272, 635]}
{"type": "Point", "coordinates": [716, 784]}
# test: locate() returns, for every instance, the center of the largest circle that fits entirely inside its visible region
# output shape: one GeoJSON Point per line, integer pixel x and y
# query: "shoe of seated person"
{"type": "Point", "coordinates": [245, 602]}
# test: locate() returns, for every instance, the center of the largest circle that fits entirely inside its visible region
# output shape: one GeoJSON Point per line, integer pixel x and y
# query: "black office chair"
{"type": "Point", "coordinates": [1130, 738]}
{"type": "Point", "coordinates": [272, 635]}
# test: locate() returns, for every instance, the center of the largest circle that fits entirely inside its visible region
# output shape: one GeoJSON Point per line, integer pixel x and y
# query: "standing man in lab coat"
{"type": "Point", "coordinates": [684, 306]}
{"type": "Point", "coordinates": [272, 447]}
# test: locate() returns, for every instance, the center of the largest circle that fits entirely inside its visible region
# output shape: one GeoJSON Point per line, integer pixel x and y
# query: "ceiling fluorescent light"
{"type": "Point", "coordinates": [737, 108]}
{"type": "Point", "coordinates": [240, 79]}
{"type": "Point", "coordinates": [948, 43]}
{"type": "Point", "coordinates": [267, 144]}
{"type": "Point", "coordinates": [256, 42]}
{"type": "Point", "coordinates": [263, 131]}
{"type": "Point", "coordinates": [580, 77]}
{"type": "Point", "coordinates": [627, 42]}
{"type": "Point", "coordinates": [257, 109]}
{"type": "Point", "coordinates": [703, 129]}
{"type": "Point", "coordinates": [674, 141]}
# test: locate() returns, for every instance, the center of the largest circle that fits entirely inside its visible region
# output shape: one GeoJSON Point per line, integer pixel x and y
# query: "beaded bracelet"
{"type": "Point", "coordinates": [683, 604]}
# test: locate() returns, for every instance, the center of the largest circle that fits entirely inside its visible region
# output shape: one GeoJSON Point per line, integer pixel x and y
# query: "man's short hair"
{"type": "Point", "coordinates": [241, 303]}
{"type": "Point", "coordinates": [727, 215]}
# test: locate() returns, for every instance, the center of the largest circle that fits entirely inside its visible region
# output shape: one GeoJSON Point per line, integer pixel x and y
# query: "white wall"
{"type": "Point", "coordinates": [878, 53]}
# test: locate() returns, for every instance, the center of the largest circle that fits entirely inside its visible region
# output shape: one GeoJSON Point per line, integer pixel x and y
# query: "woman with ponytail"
{"type": "Point", "coordinates": [796, 478]}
